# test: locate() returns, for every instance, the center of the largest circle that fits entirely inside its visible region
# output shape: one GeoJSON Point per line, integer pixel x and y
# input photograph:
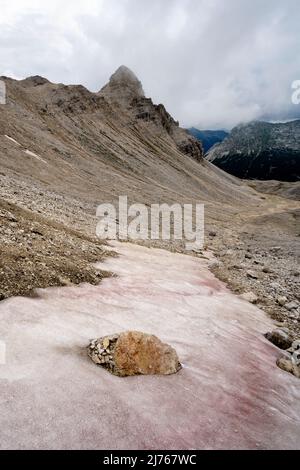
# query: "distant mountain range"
{"type": "Point", "coordinates": [208, 138]}
{"type": "Point", "coordinates": [260, 150]}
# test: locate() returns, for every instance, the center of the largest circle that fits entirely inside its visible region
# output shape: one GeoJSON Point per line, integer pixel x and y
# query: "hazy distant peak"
{"type": "Point", "coordinates": [123, 73]}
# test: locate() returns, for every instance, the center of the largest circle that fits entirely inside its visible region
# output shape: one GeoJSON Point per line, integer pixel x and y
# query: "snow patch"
{"type": "Point", "coordinates": [32, 154]}
{"type": "Point", "coordinates": [229, 381]}
{"type": "Point", "coordinates": [12, 140]}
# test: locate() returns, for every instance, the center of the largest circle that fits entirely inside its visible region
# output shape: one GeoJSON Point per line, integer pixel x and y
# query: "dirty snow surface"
{"type": "Point", "coordinates": [229, 395]}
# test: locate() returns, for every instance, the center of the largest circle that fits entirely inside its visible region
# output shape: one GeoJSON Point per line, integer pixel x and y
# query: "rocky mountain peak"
{"type": "Point", "coordinates": [124, 75]}
{"type": "Point", "coordinates": [123, 86]}
{"type": "Point", "coordinates": [125, 90]}
{"type": "Point", "coordinates": [260, 150]}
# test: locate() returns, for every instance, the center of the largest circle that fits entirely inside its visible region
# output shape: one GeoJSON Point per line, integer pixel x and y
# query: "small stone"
{"type": "Point", "coordinates": [287, 365]}
{"type": "Point", "coordinates": [275, 285]}
{"type": "Point", "coordinates": [212, 234]}
{"type": "Point", "coordinates": [252, 275]}
{"type": "Point", "coordinates": [235, 266]}
{"type": "Point", "coordinates": [216, 264]}
{"type": "Point", "coordinates": [282, 300]}
{"type": "Point", "coordinates": [296, 358]}
{"type": "Point", "coordinates": [296, 345]}
{"type": "Point", "coordinates": [249, 297]}
{"type": "Point", "coordinates": [95, 358]}
{"type": "Point", "coordinates": [266, 270]}
{"type": "Point", "coordinates": [248, 256]}
{"type": "Point", "coordinates": [106, 343]}
{"type": "Point", "coordinates": [280, 338]}
{"type": "Point", "coordinates": [291, 305]}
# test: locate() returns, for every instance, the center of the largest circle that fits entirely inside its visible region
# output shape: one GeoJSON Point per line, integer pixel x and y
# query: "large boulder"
{"type": "Point", "coordinates": [134, 353]}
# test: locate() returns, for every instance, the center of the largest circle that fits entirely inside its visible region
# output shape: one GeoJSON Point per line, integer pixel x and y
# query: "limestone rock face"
{"type": "Point", "coordinates": [125, 90]}
{"type": "Point", "coordinates": [123, 86]}
{"type": "Point", "coordinates": [134, 353]}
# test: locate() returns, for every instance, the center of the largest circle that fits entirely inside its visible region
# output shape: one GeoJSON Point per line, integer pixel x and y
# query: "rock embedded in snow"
{"type": "Point", "coordinates": [281, 338]}
{"type": "Point", "coordinates": [134, 353]}
{"type": "Point", "coordinates": [291, 361]}
{"type": "Point", "coordinates": [286, 364]}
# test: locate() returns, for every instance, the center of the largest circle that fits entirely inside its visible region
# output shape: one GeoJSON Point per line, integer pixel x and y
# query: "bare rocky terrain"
{"type": "Point", "coordinates": [65, 150]}
{"type": "Point", "coordinates": [289, 190]}
{"type": "Point", "coordinates": [37, 252]}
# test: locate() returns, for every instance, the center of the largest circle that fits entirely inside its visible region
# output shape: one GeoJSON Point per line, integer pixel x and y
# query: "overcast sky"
{"type": "Point", "coordinates": [213, 63]}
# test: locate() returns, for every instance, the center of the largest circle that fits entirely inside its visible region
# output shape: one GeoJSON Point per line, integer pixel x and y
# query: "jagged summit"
{"type": "Point", "coordinates": [125, 90]}
{"type": "Point", "coordinates": [123, 86]}
{"type": "Point", "coordinates": [122, 74]}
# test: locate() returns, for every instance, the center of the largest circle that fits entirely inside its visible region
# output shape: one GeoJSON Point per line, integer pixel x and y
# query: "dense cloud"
{"type": "Point", "coordinates": [213, 63]}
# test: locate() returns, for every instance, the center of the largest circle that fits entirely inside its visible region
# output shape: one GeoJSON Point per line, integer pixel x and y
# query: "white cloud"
{"type": "Point", "coordinates": [212, 63]}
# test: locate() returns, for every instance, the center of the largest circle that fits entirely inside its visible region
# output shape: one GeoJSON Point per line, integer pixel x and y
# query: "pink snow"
{"type": "Point", "coordinates": [229, 395]}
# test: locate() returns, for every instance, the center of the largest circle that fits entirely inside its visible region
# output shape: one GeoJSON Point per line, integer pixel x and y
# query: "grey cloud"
{"type": "Point", "coordinates": [212, 63]}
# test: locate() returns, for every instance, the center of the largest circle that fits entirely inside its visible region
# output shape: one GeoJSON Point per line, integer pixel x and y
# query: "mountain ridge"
{"type": "Point", "coordinates": [208, 137]}
{"type": "Point", "coordinates": [58, 136]}
{"type": "Point", "coordinates": [260, 150]}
